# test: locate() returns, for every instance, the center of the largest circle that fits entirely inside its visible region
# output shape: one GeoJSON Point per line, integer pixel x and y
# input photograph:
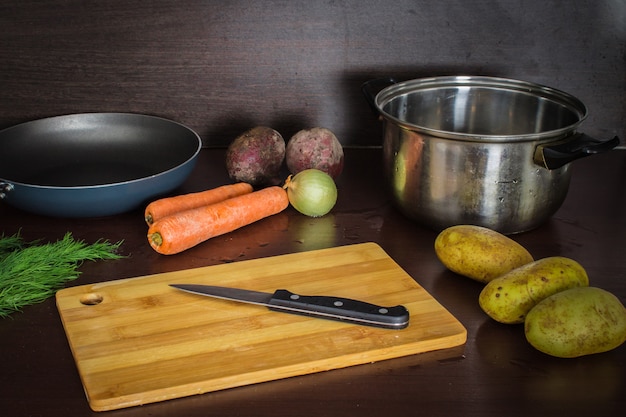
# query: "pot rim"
{"type": "Point", "coordinates": [557, 96]}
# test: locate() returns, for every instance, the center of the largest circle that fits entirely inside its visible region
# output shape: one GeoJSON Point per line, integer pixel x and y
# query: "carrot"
{"type": "Point", "coordinates": [170, 205]}
{"type": "Point", "coordinates": [183, 230]}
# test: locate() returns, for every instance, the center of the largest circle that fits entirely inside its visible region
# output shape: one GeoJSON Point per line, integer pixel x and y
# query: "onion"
{"type": "Point", "coordinates": [312, 192]}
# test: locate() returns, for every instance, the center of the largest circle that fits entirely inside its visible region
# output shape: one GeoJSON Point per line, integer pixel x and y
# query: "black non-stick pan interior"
{"type": "Point", "coordinates": [93, 164]}
{"type": "Point", "coordinates": [93, 149]}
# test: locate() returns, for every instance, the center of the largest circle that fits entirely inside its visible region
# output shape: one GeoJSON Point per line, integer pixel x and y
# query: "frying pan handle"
{"type": "Point", "coordinates": [5, 187]}
{"type": "Point", "coordinates": [368, 88]}
{"type": "Point", "coordinates": [580, 145]}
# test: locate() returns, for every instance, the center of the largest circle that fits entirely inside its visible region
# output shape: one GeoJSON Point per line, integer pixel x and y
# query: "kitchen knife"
{"type": "Point", "coordinates": [325, 307]}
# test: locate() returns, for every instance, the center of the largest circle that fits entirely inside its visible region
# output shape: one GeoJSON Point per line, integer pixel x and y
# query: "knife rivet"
{"type": "Point", "coordinates": [338, 303]}
{"type": "Point", "coordinates": [294, 296]}
{"type": "Point", "coordinates": [383, 311]}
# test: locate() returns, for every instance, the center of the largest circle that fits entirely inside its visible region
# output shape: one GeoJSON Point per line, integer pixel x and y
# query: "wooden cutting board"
{"type": "Point", "coordinates": [137, 340]}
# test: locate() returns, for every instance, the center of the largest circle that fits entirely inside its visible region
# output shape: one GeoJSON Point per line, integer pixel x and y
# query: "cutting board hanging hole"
{"type": "Point", "coordinates": [91, 299]}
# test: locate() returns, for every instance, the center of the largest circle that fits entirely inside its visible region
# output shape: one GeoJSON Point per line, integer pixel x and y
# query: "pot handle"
{"type": "Point", "coordinates": [368, 87]}
{"type": "Point", "coordinates": [562, 153]}
{"type": "Point", "coordinates": [5, 187]}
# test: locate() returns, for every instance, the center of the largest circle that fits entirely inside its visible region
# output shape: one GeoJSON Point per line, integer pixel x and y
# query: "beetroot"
{"type": "Point", "coordinates": [256, 157]}
{"type": "Point", "coordinates": [316, 148]}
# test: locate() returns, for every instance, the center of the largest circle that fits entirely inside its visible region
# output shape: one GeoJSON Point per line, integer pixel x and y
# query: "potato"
{"type": "Point", "coordinates": [577, 322]}
{"type": "Point", "coordinates": [510, 297]}
{"type": "Point", "coordinates": [479, 253]}
{"type": "Point", "coordinates": [316, 148]}
{"type": "Point", "coordinates": [256, 156]}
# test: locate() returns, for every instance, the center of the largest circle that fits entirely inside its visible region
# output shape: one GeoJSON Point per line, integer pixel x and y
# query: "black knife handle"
{"type": "Point", "coordinates": [342, 309]}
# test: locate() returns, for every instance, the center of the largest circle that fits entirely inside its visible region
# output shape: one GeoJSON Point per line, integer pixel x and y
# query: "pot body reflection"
{"type": "Point", "coordinates": [441, 182]}
{"type": "Point", "coordinates": [486, 151]}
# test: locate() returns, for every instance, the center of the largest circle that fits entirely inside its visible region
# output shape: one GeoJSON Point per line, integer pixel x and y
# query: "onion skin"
{"type": "Point", "coordinates": [316, 148]}
{"type": "Point", "coordinates": [312, 192]}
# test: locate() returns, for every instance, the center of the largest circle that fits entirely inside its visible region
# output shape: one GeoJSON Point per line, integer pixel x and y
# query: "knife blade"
{"type": "Point", "coordinates": [325, 307]}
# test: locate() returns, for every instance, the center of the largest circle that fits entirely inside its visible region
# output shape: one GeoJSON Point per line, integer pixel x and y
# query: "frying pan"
{"type": "Point", "coordinates": [93, 164]}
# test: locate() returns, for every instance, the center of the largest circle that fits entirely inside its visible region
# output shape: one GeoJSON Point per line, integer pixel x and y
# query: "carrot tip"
{"type": "Point", "coordinates": [156, 239]}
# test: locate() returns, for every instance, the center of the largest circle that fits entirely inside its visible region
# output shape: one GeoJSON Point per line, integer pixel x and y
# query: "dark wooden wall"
{"type": "Point", "coordinates": [223, 66]}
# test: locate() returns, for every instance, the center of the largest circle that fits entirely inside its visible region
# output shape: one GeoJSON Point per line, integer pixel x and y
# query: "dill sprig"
{"type": "Point", "coordinates": [31, 272]}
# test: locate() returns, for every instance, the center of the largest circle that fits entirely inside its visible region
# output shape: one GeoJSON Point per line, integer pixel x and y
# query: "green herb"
{"type": "Point", "coordinates": [31, 272]}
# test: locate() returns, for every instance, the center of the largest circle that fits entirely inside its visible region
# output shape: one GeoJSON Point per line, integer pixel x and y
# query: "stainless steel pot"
{"type": "Point", "coordinates": [93, 164]}
{"type": "Point", "coordinates": [487, 151]}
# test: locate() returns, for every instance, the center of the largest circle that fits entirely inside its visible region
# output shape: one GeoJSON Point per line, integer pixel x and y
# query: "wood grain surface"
{"type": "Point", "coordinates": [137, 341]}
{"type": "Point", "coordinates": [222, 67]}
{"type": "Point", "coordinates": [496, 373]}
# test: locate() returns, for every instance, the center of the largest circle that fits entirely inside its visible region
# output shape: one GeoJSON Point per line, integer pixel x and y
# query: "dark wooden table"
{"type": "Point", "coordinates": [496, 373]}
